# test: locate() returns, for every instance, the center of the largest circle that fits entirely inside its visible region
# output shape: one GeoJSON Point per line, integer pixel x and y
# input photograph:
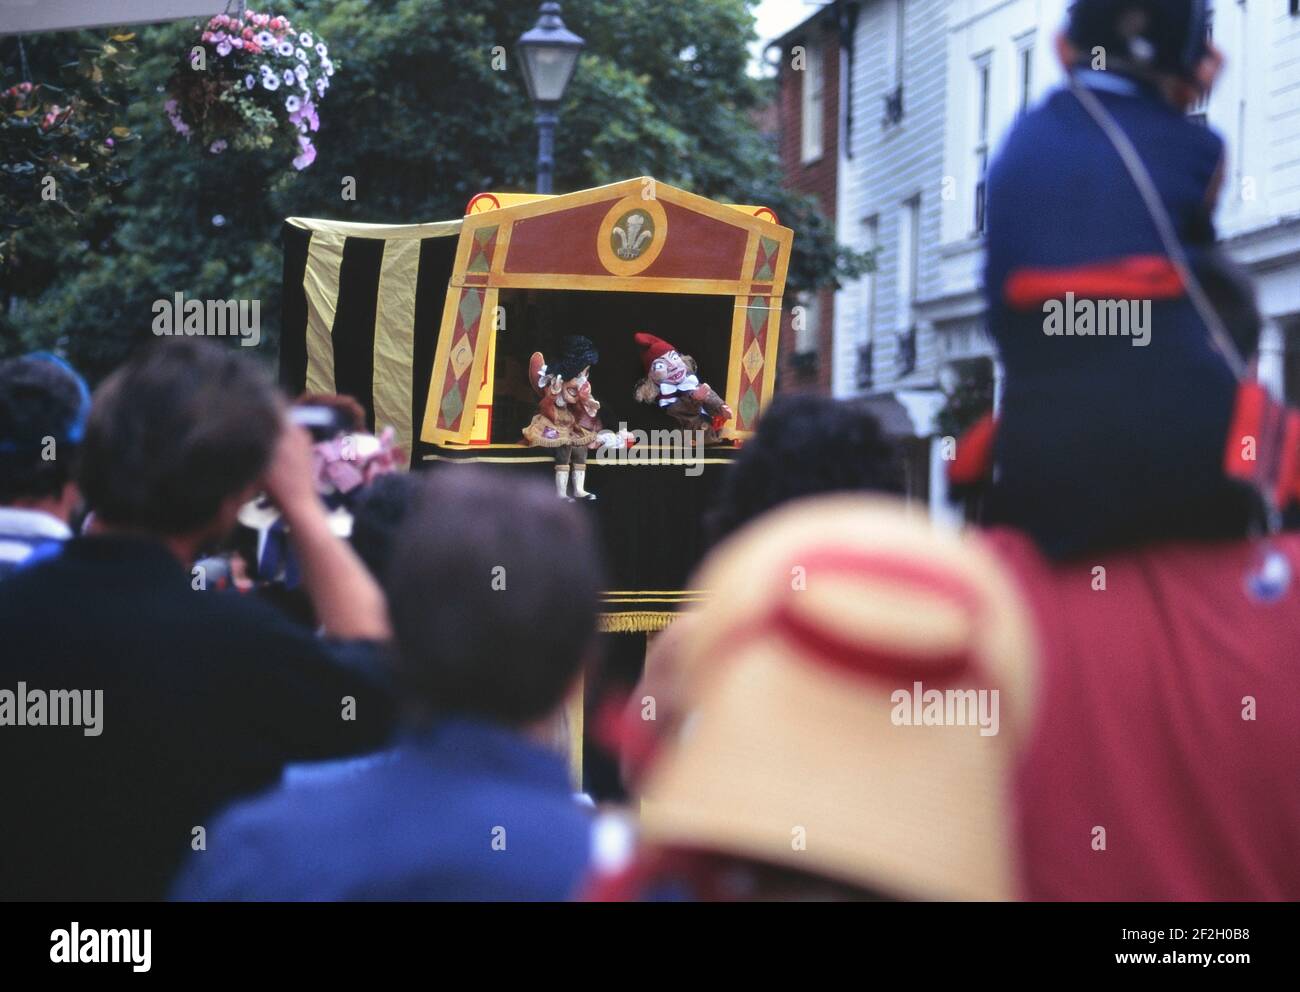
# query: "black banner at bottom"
{"type": "Point", "coordinates": [140, 942]}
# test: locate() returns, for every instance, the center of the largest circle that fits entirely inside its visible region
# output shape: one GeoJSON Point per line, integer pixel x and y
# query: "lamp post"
{"type": "Point", "coordinates": [548, 53]}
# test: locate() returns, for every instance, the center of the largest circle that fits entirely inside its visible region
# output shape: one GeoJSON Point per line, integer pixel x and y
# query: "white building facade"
{"type": "Point", "coordinates": [890, 171]}
{"type": "Point", "coordinates": [908, 334]}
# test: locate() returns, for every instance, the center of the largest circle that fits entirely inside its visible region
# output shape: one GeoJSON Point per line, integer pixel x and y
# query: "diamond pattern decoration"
{"type": "Point", "coordinates": [765, 261]}
{"type": "Point", "coordinates": [471, 305]}
{"type": "Point", "coordinates": [462, 356]}
{"type": "Point", "coordinates": [753, 359]}
{"type": "Point", "coordinates": [480, 252]}
{"type": "Point", "coordinates": [748, 407]}
{"type": "Point", "coordinates": [452, 404]}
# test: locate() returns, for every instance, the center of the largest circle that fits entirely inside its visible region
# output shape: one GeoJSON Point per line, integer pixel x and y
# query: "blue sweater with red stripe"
{"type": "Point", "coordinates": [1104, 440]}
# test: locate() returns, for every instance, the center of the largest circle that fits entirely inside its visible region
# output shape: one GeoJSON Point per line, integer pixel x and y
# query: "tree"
{"type": "Point", "coordinates": [62, 145]}
{"type": "Point", "coordinates": [418, 120]}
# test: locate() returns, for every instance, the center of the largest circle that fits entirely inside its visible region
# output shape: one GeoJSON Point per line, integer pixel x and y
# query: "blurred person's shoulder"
{"type": "Point", "coordinates": [412, 822]}
{"type": "Point", "coordinates": [1237, 588]}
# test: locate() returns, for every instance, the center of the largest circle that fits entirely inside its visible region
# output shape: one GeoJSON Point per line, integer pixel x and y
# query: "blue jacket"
{"type": "Point", "coordinates": [464, 811]}
{"type": "Point", "coordinates": [1099, 441]}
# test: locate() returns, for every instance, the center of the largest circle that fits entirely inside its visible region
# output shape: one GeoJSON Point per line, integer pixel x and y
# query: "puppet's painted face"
{"type": "Point", "coordinates": [668, 367]}
{"type": "Point", "coordinates": [576, 390]}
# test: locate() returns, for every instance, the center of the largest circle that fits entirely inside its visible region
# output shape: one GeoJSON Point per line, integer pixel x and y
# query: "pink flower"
{"type": "Point", "coordinates": [207, 36]}
{"type": "Point", "coordinates": [247, 34]}
{"type": "Point", "coordinates": [308, 155]}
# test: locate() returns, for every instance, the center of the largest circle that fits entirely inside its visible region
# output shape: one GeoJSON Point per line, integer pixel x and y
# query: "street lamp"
{"type": "Point", "coordinates": [549, 52]}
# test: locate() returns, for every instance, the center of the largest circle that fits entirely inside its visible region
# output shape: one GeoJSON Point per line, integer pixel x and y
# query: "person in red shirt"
{"type": "Point", "coordinates": [1164, 758]}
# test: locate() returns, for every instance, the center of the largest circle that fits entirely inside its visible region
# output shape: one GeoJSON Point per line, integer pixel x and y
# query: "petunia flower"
{"type": "Point", "coordinates": [307, 155]}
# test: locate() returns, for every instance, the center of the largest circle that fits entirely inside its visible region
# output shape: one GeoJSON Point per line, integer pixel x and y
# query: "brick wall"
{"type": "Point", "coordinates": [817, 178]}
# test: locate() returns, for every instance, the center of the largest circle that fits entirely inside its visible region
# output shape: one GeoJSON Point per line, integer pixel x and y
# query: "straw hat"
{"type": "Point", "coordinates": [799, 681]}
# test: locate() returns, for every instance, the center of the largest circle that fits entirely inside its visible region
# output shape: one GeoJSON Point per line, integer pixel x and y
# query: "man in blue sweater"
{"type": "Point", "coordinates": [493, 592]}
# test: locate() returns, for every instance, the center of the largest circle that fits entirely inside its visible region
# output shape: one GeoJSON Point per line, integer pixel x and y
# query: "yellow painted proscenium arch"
{"type": "Point", "coordinates": [635, 246]}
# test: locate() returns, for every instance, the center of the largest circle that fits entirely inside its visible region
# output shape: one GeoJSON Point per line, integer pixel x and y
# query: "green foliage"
{"type": "Point", "coordinates": [61, 140]}
{"type": "Point", "coordinates": [421, 120]}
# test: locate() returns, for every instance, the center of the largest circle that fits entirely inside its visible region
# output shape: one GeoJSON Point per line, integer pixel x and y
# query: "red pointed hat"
{"type": "Point", "coordinates": [651, 347]}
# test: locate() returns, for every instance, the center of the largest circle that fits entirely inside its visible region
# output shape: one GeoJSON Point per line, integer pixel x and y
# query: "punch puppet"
{"type": "Point", "coordinates": [672, 383]}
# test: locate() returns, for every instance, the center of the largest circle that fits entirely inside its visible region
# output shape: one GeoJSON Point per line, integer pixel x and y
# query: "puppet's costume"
{"type": "Point", "coordinates": [671, 382]}
{"type": "Point", "coordinates": [566, 420]}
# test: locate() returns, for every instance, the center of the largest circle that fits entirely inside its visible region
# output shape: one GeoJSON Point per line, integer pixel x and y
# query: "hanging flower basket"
{"type": "Point", "coordinates": [255, 84]}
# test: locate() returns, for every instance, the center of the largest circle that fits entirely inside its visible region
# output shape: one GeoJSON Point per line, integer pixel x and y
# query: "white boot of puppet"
{"type": "Point", "coordinates": [562, 481]}
{"type": "Point", "coordinates": [579, 477]}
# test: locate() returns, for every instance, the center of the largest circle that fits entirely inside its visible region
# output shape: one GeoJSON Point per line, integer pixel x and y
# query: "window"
{"type": "Point", "coordinates": [893, 110]}
{"type": "Point", "coordinates": [909, 222]}
{"type": "Point", "coordinates": [900, 41]}
{"type": "Point", "coordinates": [1199, 110]}
{"type": "Point", "coordinates": [983, 91]}
{"type": "Point", "coordinates": [871, 239]}
{"type": "Point", "coordinates": [1026, 78]}
{"type": "Point", "coordinates": [812, 111]}
{"type": "Point", "coordinates": [909, 253]}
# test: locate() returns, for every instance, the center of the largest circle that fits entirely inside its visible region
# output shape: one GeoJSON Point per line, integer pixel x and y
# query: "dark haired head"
{"type": "Point", "coordinates": [42, 415]}
{"type": "Point", "coordinates": [174, 434]}
{"type": "Point", "coordinates": [804, 445]}
{"type": "Point", "coordinates": [493, 591]}
{"type": "Point", "coordinates": [378, 512]}
{"type": "Point", "coordinates": [576, 354]}
{"type": "Point", "coordinates": [1160, 36]}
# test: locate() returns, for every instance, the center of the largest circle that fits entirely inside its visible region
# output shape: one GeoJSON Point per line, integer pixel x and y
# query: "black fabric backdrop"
{"type": "Point", "coordinates": [650, 517]}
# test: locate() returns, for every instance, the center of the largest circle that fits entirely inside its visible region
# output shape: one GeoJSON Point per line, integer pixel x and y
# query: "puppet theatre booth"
{"type": "Point", "coordinates": [433, 328]}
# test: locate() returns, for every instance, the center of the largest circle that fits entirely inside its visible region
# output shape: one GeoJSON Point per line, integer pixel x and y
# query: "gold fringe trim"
{"type": "Point", "coordinates": [635, 623]}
